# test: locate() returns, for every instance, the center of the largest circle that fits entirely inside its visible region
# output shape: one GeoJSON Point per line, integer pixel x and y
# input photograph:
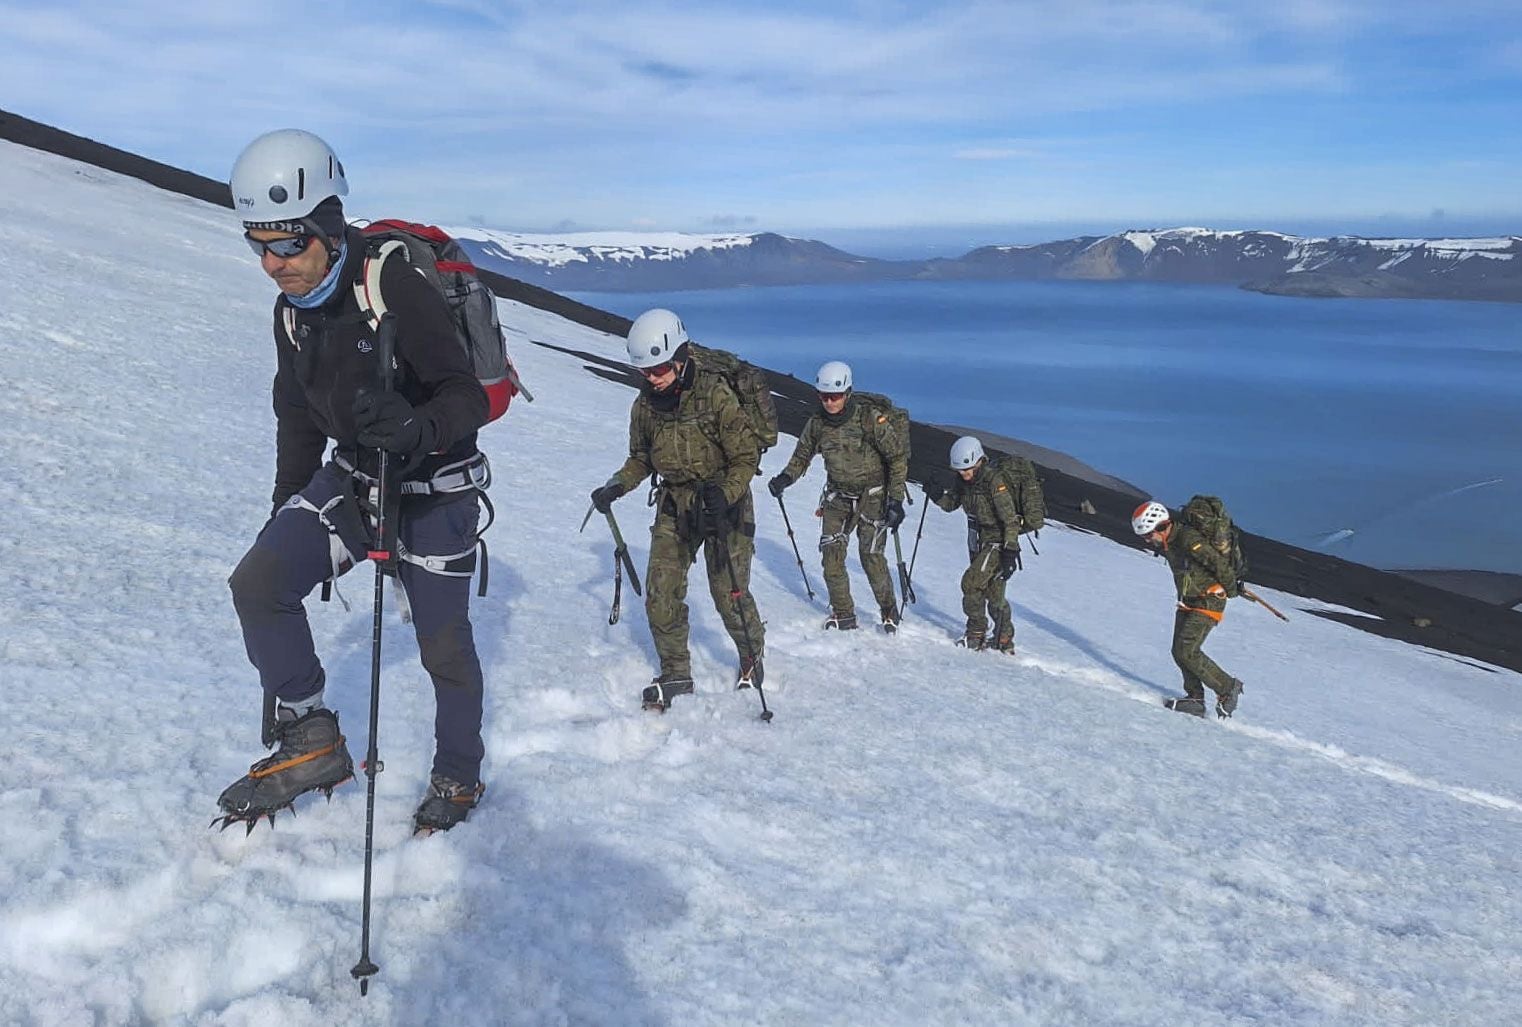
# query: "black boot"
{"type": "Point", "coordinates": [312, 757]}
{"type": "Point", "coordinates": [973, 640]}
{"type": "Point", "coordinates": [1226, 702]}
{"type": "Point", "coordinates": [1187, 704]}
{"type": "Point", "coordinates": [752, 673]}
{"type": "Point", "coordinates": [890, 619]}
{"type": "Point", "coordinates": [843, 621]}
{"type": "Point", "coordinates": [446, 804]}
{"type": "Point", "coordinates": [665, 688]}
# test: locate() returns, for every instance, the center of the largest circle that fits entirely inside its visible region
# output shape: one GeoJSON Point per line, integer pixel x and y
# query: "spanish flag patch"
{"type": "Point", "coordinates": [1002, 487]}
{"type": "Point", "coordinates": [882, 419]}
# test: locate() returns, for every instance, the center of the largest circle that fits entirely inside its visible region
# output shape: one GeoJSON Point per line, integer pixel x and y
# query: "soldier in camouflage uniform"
{"type": "Point", "coordinates": [1204, 579]}
{"type": "Point", "coordinates": [866, 462]}
{"type": "Point", "coordinates": [687, 427]}
{"type": "Point", "coordinates": [993, 543]}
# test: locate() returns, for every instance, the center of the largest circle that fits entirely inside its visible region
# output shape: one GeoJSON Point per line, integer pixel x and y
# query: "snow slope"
{"type": "Point", "coordinates": [922, 836]}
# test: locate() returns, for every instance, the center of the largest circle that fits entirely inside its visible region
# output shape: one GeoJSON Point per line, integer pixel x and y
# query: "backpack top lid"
{"type": "Point", "coordinates": [1025, 485]}
{"type": "Point", "coordinates": [440, 259]}
{"type": "Point", "coordinates": [750, 386]}
{"type": "Point", "coordinates": [1207, 513]}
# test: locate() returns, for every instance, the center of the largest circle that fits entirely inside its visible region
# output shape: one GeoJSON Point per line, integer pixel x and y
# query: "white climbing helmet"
{"type": "Point", "coordinates": [283, 175]}
{"type": "Point", "coordinates": [1147, 517]}
{"type": "Point", "coordinates": [833, 377]}
{"type": "Point", "coordinates": [966, 453]}
{"type": "Point", "coordinates": [654, 338]}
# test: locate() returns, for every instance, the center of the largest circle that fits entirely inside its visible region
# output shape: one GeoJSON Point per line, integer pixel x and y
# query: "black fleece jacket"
{"type": "Point", "coordinates": [333, 356]}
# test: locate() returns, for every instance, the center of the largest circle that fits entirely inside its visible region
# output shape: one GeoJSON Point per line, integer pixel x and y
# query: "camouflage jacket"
{"type": "Point", "coordinates": [860, 451]}
{"type": "Point", "coordinates": [1196, 564]}
{"type": "Point", "coordinates": [990, 507]}
{"type": "Point", "coordinates": [706, 438]}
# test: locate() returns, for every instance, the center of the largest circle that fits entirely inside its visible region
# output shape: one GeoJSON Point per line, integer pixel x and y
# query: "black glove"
{"type": "Point", "coordinates": [1009, 562]}
{"type": "Point", "coordinates": [385, 420]}
{"type": "Point", "coordinates": [603, 497]}
{"type": "Point", "coordinates": [779, 484]}
{"type": "Point", "coordinates": [713, 519]}
{"type": "Point", "coordinates": [934, 490]}
{"type": "Point", "coordinates": [895, 513]}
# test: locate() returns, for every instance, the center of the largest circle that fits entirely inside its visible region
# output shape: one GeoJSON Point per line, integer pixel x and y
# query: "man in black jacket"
{"type": "Point", "coordinates": [287, 187]}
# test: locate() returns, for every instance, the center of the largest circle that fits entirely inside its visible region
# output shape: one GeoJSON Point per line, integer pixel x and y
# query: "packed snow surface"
{"type": "Point", "coordinates": [922, 836]}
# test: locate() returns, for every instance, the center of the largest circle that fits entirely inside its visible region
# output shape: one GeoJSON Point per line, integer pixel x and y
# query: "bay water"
{"type": "Point", "coordinates": [1385, 431]}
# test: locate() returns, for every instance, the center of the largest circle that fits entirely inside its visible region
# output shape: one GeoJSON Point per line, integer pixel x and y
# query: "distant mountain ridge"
{"type": "Point", "coordinates": [1272, 262]}
{"type": "Point", "coordinates": [658, 261]}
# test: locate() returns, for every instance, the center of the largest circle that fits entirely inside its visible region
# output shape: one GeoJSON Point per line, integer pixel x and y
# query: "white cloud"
{"type": "Point", "coordinates": [532, 112]}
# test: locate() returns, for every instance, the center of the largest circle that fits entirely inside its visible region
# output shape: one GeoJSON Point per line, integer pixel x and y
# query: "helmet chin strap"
{"type": "Point", "coordinates": [327, 240]}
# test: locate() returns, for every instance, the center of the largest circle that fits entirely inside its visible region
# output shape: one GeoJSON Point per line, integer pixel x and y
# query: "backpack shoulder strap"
{"type": "Point", "coordinates": [367, 286]}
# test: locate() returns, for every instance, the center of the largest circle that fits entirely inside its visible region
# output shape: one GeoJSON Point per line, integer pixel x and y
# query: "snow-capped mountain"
{"type": "Point", "coordinates": [659, 261]}
{"type": "Point", "coordinates": [923, 836]}
{"type": "Point", "coordinates": [1268, 261]}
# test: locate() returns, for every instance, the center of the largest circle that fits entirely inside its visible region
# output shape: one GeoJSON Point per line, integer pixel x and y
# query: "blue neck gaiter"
{"type": "Point", "coordinates": [325, 289]}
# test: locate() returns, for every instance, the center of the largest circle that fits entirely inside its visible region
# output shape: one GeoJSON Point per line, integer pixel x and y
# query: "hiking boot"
{"type": "Point", "coordinates": [891, 618]}
{"type": "Point", "coordinates": [1226, 702]}
{"type": "Point", "coordinates": [312, 757]}
{"type": "Point", "coordinates": [665, 688]}
{"type": "Point", "coordinates": [1187, 704]}
{"type": "Point", "coordinates": [445, 804]}
{"type": "Point", "coordinates": [1006, 644]}
{"type": "Point", "coordinates": [752, 673]}
{"type": "Point", "coordinates": [973, 640]}
{"type": "Point", "coordinates": [843, 621]}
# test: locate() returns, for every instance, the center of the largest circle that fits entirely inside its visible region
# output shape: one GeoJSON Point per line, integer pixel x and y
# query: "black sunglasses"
{"type": "Point", "coordinates": [284, 248]}
{"type": "Point", "coordinates": [832, 396]}
{"type": "Point", "coordinates": [659, 370]}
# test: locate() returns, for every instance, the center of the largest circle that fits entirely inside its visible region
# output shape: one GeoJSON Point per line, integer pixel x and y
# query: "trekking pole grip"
{"type": "Point", "coordinates": [385, 350]}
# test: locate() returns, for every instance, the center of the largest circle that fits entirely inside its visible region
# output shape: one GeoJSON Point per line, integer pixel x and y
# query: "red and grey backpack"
{"type": "Point", "coordinates": [438, 257]}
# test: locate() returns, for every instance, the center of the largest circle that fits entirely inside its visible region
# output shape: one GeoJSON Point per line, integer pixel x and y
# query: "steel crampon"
{"type": "Point", "coordinates": [250, 819]}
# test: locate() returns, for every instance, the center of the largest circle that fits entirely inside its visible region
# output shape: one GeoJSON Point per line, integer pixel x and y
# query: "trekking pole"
{"type": "Point", "coordinates": [621, 560]}
{"type": "Point", "coordinates": [796, 555]}
{"type": "Point", "coordinates": [386, 349]}
{"type": "Point", "coordinates": [923, 511]}
{"type": "Point", "coordinates": [1261, 602]}
{"type": "Point", "coordinates": [736, 594]}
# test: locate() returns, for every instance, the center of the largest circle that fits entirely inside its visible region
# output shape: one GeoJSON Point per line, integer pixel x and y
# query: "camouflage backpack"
{"type": "Point", "coordinates": [897, 417]}
{"type": "Point", "coordinates": [1208, 516]}
{"type": "Point", "coordinates": [1025, 487]}
{"type": "Point", "coordinates": [749, 384]}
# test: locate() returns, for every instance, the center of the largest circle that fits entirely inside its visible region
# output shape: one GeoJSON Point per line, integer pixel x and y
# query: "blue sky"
{"type": "Point", "coordinates": [945, 123]}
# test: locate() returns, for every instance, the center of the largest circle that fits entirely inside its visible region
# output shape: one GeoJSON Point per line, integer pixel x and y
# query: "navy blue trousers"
{"type": "Point", "coordinates": [291, 557]}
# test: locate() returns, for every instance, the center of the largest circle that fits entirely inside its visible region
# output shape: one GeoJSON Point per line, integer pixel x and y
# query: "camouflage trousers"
{"type": "Point", "coordinates": [839, 513]}
{"type": "Point", "coordinates": [1189, 631]}
{"type": "Point", "coordinates": [672, 554]}
{"type": "Point", "coordinates": [983, 589]}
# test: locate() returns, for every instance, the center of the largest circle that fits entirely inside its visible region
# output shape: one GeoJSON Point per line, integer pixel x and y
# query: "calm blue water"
{"type": "Point", "coordinates": [1307, 416]}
